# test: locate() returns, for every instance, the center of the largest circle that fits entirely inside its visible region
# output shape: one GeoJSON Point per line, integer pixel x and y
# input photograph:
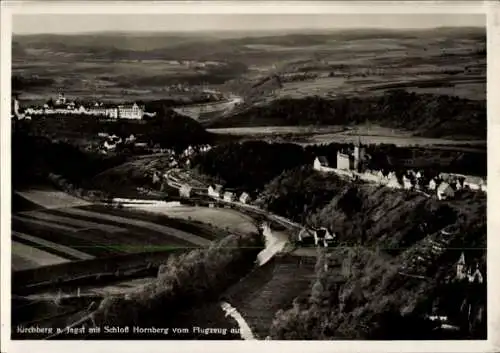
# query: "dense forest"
{"type": "Point", "coordinates": [214, 269]}
{"type": "Point", "coordinates": [425, 114]}
{"type": "Point", "coordinates": [379, 232]}
{"type": "Point", "coordinates": [35, 157]}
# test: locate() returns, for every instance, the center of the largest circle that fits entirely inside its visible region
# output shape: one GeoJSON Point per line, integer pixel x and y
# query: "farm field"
{"type": "Point", "coordinates": [26, 257]}
{"type": "Point", "coordinates": [49, 236]}
{"type": "Point", "coordinates": [113, 288]}
{"type": "Point", "coordinates": [231, 220]}
{"type": "Point", "coordinates": [51, 198]}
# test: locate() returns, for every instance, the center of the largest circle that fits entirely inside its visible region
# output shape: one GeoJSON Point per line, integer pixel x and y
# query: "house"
{"type": "Point", "coordinates": [445, 191]}
{"type": "Point", "coordinates": [473, 183]}
{"type": "Point", "coordinates": [185, 191]}
{"type": "Point", "coordinates": [109, 145]}
{"type": "Point", "coordinates": [215, 191]}
{"type": "Point", "coordinates": [156, 177]}
{"type": "Point", "coordinates": [306, 237]}
{"type": "Point", "coordinates": [407, 184]}
{"type": "Point", "coordinates": [464, 272]}
{"type": "Point", "coordinates": [321, 163]}
{"type": "Point", "coordinates": [141, 144]}
{"type": "Point", "coordinates": [130, 139]}
{"type": "Point", "coordinates": [476, 277]}
{"type": "Point", "coordinates": [245, 198]}
{"type": "Point", "coordinates": [229, 196]}
{"type": "Point", "coordinates": [432, 184]}
{"type": "Point", "coordinates": [323, 237]}
{"type": "Point", "coordinates": [393, 181]}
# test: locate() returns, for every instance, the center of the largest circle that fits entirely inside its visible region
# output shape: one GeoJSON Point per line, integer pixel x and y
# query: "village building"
{"type": "Point", "coordinates": [323, 237]}
{"type": "Point", "coordinates": [245, 198]}
{"type": "Point", "coordinates": [474, 183]}
{"type": "Point", "coordinates": [407, 183]}
{"type": "Point", "coordinates": [306, 236]}
{"type": "Point", "coordinates": [393, 181]}
{"type": "Point", "coordinates": [229, 196]}
{"type": "Point", "coordinates": [432, 184]}
{"type": "Point", "coordinates": [464, 272]}
{"type": "Point", "coordinates": [321, 164]}
{"type": "Point", "coordinates": [445, 191]}
{"type": "Point", "coordinates": [185, 191]}
{"type": "Point", "coordinates": [109, 145]}
{"type": "Point", "coordinates": [215, 191]}
{"type": "Point", "coordinates": [156, 177]}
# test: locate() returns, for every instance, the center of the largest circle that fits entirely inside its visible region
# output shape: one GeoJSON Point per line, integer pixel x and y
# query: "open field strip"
{"type": "Point", "coordinates": [74, 222]}
{"type": "Point", "coordinates": [88, 241]}
{"type": "Point", "coordinates": [194, 239]}
{"type": "Point", "coordinates": [116, 288]}
{"type": "Point", "coordinates": [34, 256]}
{"type": "Point", "coordinates": [180, 217]}
{"type": "Point", "coordinates": [20, 263]}
{"type": "Point", "coordinates": [202, 229]}
{"type": "Point", "coordinates": [224, 218]}
{"type": "Point", "coordinates": [46, 224]}
{"type": "Point", "coordinates": [52, 198]}
{"type": "Point", "coordinates": [60, 248]}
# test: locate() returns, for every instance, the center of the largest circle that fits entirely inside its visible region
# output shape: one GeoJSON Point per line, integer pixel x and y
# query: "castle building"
{"type": "Point", "coordinates": [352, 161]}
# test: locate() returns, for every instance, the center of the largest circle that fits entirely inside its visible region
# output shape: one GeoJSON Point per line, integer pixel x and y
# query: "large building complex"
{"type": "Point", "coordinates": [99, 109]}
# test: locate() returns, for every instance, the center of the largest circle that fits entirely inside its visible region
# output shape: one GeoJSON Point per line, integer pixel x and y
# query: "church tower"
{"type": "Point", "coordinates": [359, 155]}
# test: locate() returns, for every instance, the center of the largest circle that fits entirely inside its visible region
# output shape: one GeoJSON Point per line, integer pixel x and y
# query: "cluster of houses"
{"type": "Point", "coordinates": [350, 165]}
{"type": "Point", "coordinates": [216, 191]}
{"type": "Point", "coordinates": [63, 106]}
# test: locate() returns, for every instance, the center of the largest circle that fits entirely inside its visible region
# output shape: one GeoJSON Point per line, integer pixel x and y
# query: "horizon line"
{"type": "Point", "coordinates": [289, 30]}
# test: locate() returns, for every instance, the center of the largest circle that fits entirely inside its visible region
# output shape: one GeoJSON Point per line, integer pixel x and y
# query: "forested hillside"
{"type": "Point", "coordinates": [425, 114]}
{"type": "Point", "coordinates": [387, 244]}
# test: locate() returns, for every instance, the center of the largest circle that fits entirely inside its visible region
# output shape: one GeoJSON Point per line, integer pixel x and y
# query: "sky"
{"type": "Point", "coordinates": [75, 23]}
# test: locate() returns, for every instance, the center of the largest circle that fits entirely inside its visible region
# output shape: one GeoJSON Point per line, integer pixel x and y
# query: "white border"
{"type": "Point", "coordinates": [306, 7]}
